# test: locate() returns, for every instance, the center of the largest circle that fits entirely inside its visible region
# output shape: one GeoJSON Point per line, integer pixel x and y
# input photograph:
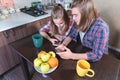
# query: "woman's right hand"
{"type": "Point", "coordinates": [60, 47]}
{"type": "Point", "coordinates": [66, 54]}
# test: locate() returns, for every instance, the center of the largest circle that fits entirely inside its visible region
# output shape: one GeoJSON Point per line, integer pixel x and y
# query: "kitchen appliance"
{"type": "Point", "coordinates": [33, 11]}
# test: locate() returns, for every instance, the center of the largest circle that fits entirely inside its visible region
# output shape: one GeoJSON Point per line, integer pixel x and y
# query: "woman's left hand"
{"type": "Point", "coordinates": [67, 54]}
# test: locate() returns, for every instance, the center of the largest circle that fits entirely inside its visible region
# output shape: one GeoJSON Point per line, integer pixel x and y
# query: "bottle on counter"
{"type": "Point", "coordinates": [3, 13]}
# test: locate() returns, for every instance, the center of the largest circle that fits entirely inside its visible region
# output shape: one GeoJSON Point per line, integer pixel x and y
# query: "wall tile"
{"type": "Point", "coordinates": [22, 3]}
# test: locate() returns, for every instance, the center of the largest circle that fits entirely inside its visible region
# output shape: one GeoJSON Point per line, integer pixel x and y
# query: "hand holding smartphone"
{"type": "Point", "coordinates": [60, 48]}
{"type": "Point", "coordinates": [56, 50]}
{"type": "Point", "coordinates": [56, 43]}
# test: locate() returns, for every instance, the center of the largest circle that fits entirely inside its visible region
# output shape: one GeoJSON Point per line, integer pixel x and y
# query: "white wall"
{"type": "Point", "coordinates": [110, 12]}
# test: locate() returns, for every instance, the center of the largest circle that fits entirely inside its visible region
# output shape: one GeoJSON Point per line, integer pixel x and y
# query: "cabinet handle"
{"type": "Point", "coordinates": [5, 34]}
{"type": "Point", "coordinates": [13, 32]}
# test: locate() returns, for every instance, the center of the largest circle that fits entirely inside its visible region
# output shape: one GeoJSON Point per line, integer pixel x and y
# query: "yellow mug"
{"type": "Point", "coordinates": [83, 69]}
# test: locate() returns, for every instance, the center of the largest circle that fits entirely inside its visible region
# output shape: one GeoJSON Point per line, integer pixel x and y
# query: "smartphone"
{"type": "Point", "coordinates": [57, 43]}
{"type": "Point", "coordinates": [56, 50]}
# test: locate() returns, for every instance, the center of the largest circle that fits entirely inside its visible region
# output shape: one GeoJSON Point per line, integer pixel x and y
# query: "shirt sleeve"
{"type": "Point", "coordinates": [100, 40]}
{"type": "Point", "coordinates": [45, 28]}
{"type": "Point", "coordinates": [73, 34]}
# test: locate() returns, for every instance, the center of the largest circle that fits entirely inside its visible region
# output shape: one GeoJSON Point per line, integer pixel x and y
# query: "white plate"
{"type": "Point", "coordinates": [50, 70]}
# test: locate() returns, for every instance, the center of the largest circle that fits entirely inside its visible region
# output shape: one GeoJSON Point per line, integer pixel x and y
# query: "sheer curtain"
{"type": "Point", "coordinates": [7, 3]}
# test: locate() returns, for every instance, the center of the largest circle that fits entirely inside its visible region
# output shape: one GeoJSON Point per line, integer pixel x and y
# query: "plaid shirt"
{"type": "Point", "coordinates": [71, 32]}
{"type": "Point", "coordinates": [96, 38]}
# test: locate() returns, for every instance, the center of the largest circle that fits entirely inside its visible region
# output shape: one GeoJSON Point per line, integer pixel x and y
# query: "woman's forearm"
{"type": "Point", "coordinates": [66, 41]}
{"type": "Point", "coordinates": [45, 35]}
{"type": "Point", "coordinates": [77, 56]}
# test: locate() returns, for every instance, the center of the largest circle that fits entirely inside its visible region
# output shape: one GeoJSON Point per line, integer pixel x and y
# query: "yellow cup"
{"type": "Point", "coordinates": [83, 69]}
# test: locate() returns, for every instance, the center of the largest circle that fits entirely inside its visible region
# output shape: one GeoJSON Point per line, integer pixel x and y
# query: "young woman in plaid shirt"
{"type": "Point", "coordinates": [94, 32]}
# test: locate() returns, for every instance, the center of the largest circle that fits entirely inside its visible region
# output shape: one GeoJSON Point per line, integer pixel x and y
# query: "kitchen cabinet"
{"type": "Point", "coordinates": [33, 28]}
{"type": "Point", "coordinates": [8, 57]}
{"type": "Point", "coordinates": [44, 21]}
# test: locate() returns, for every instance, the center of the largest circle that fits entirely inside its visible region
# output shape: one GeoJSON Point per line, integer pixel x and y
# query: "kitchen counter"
{"type": "Point", "coordinates": [18, 19]}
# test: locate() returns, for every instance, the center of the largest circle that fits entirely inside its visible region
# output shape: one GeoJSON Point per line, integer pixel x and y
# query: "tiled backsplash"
{"type": "Point", "coordinates": [22, 3]}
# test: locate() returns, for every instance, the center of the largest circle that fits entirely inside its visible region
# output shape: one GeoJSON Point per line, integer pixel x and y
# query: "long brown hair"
{"type": "Point", "coordinates": [88, 13]}
{"type": "Point", "coordinates": [58, 11]}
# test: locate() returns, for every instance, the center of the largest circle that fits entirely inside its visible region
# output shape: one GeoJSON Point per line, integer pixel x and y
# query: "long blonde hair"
{"type": "Point", "coordinates": [88, 13]}
{"type": "Point", "coordinates": [58, 11]}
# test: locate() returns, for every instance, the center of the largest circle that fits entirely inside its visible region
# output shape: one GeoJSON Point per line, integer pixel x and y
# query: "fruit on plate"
{"type": "Point", "coordinates": [40, 53]}
{"type": "Point", "coordinates": [45, 57]}
{"type": "Point", "coordinates": [44, 67]}
{"type": "Point", "coordinates": [53, 62]}
{"type": "Point", "coordinates": [46, 62]}
{"type": "Point", "coordinates": [52, 53]}
{"type": "Point", "coordinates": [37, 62]}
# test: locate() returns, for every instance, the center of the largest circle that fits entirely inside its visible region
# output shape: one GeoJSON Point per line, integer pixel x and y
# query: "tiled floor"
{"type": "Point", "coordinates": [17, 73]}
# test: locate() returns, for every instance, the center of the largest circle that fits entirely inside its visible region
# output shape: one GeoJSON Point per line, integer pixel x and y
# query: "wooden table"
{"type": "Point", "coordinates": [105, 69]}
